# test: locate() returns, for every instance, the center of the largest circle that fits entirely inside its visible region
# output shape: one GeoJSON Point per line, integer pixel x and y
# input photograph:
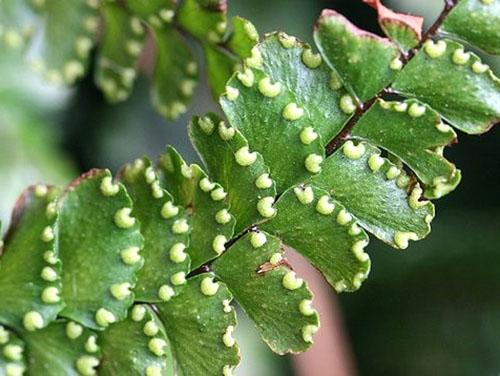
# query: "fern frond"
{"type": "Point", "coordinates": [66, 33]}
{"type": "Point", "coordinates": [315, 150]}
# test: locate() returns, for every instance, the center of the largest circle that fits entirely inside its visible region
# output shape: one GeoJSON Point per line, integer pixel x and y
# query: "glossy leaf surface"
{"type": "Point", "coordinates": [363, 60]}
{"type": "Point", "coordinates": [456, 84]}
{"type": "Point", "coordinates": [13, 361]}
{"type": "Point", "coordinates": [97, 231]}
{"type": "Point", "coordinates": [29, 265]}
{"type": "Point", "coordinates": [243, 37]}
{"type": "Point", "coordinates": [417, 141]}
{"type": "Point", "coordinates": [209, 230]}
{"type": "Point", "coordinates": [62, 348]}
{"type": "Point", "coordinates": [195, 315]}
{"type": "Point", "coordinates": [268, 294]}
{"type": "Point", "coordinates": [280, 79]}
{"type": "Point", "coordinates": [374, 197]}
{"type": "Point", "coordinates": [219, 150]}
{"type": "Point", "coordinates": [403, 29]}
{"type": "Point", "coordinates": [154, 208]}
{"type": "Point", "coordinates": [476, 22]}
{"type": "Point", "coordinates": [311, 227]}
{"type": "Point", "coordinates": [137, 346]}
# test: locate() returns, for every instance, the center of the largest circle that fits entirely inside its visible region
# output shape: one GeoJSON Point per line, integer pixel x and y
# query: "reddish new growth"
{"type": "Point", "coordinates": [386, 15]}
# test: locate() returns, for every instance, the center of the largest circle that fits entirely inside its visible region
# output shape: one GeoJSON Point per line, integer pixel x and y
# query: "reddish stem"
{"type": "Point", "coordinates": [365, 106]}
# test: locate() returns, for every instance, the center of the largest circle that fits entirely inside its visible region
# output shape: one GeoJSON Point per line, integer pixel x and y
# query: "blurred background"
{"type": "Point", "coordinates": [431, 310]}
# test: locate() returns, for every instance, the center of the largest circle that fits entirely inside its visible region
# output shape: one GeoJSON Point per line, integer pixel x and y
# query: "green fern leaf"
{"type": "Point", "coordinates": [67, 36]}
{"type": "Point", "coordinates": [200, 327]}
{"type": "Point", "coordinates": [204, 19]}
{"type": "Point", "coordinates": [137, 345]}
{"type": "Point", "coordinates": [240, 171]}
{"type": "Point", "coordinates": [119, 52]}
{"type": "Point", "coordinates": [99, 240]}
{"type": "Point", "coordinates": [285, 107]}
{"type": "Point", "coordinates": [16, 24]}
{"type": "Point", "coordinates": [211, 224]}
{"type": "Point", "coordinates": [476, 22]}
{"type": "Point", "coordinates": [164, 250]}
{"type": "Point", "coordinates": [306, 134]}
{"type": "Point", "coordinates": [220, 65]}
{"type": "Point", "coordinates": [278, 302]}
{"type": "Point", "coordinates": [417, 140]}
{"type": "Point", "coordinates": [309, 221]}
{"type": "Point", "coordinates": [366, 62]}
{"type": "Point", "coordinates": [154, 12]}
{"type": "Point", "coordinates": [243, 37]}
{"type": "Point", "coordinates": [175, 73]}
{"type": "Point", "coordinates": [62, 348]}
{"type": "Point", "coordinates": [377, 194]}
{"type": "Point", "coordinates": [403, 29]}
{"type": "Point", "coordinates": [12, 357]}
{"type": "Point", "coordinates": [30, 269]}
{"type": "Point", "coordinates": [455, 83]}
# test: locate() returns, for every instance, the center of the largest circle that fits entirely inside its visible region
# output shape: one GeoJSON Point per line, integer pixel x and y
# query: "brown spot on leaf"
{"type": "Point", "coordinates": [267, 266]}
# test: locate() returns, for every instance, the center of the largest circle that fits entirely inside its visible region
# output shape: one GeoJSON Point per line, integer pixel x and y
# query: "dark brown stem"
{"type": "Point", "coordinates": [205, 268]}
{"type": "Point", "coordinates": [344, 133]}
{"type": "Point", "coordinates": [448, 6]}
{"type": "Point", "coordinates": [365, 106]}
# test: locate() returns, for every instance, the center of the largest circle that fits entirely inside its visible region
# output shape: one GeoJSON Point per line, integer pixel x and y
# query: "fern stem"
{"type": "Point", "coordinates": [346, 130]}
{"type": "Point", "coordinates": [448, 6]}
{"type": "Point", "coordinates": [365, 106]}
{"type": "Point", "coordinates": [207, 267]}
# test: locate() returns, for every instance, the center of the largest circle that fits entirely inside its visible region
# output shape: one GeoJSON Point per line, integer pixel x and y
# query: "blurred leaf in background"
{"type": "Point", "coordinates": [29, 144]}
